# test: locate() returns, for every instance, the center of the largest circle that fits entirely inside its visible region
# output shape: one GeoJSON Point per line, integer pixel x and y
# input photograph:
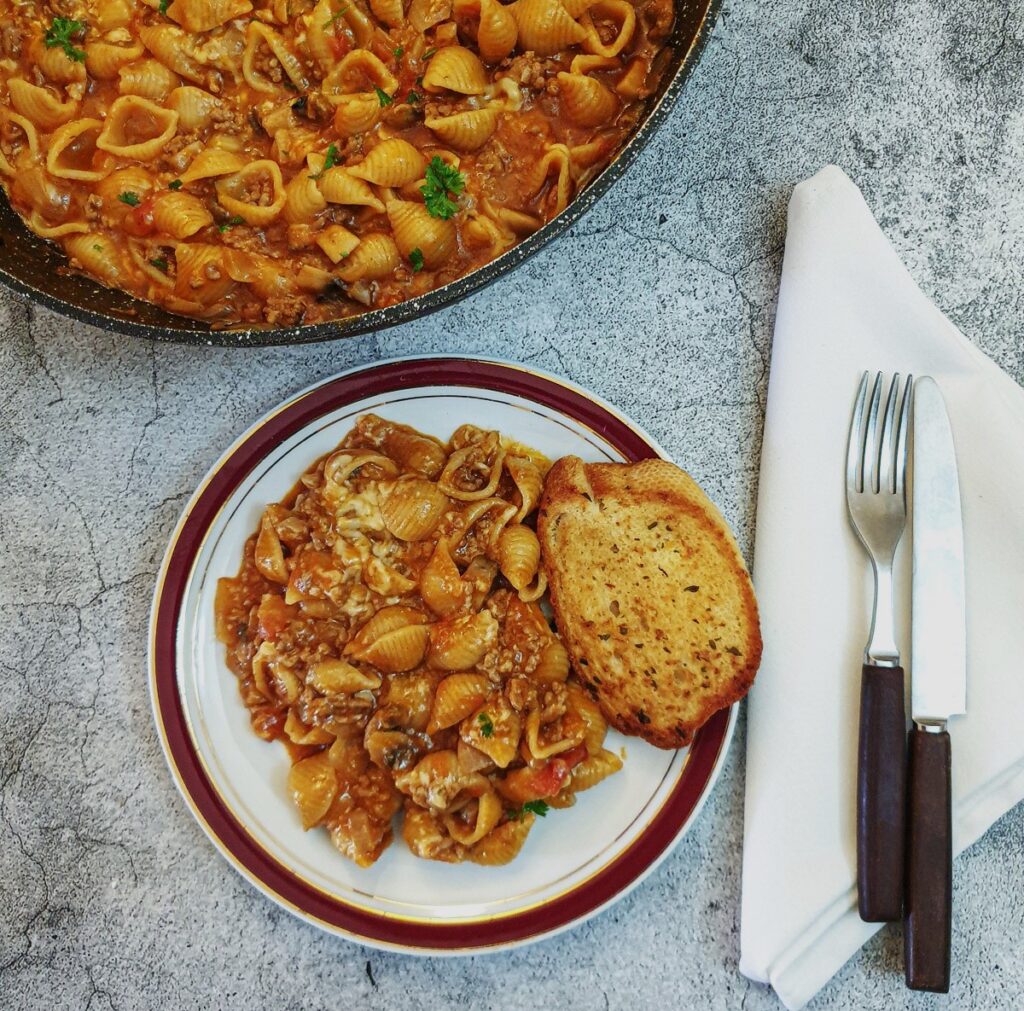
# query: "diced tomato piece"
{"type": "Point", "coordinates": [574, 756]}
{"type": "Point", "coordinates": [340, 44]}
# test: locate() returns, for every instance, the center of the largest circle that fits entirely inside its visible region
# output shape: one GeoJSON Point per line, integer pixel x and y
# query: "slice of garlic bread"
{"type": "Point", "coordinates": [650, 594]}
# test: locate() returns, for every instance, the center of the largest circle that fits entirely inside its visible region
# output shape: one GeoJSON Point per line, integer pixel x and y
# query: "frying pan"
{"type": "Point", "coordinates": [30, 265]}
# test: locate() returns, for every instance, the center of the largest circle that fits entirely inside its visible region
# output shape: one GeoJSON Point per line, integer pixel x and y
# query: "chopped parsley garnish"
{"type": "Point", "coordinates": [412, 98]}
{"type": "Point", "coordinates": [334, 17]}
{"type": "Point", "coordinates": [443, 183]}
{"type": "Point", "coordinates": [230, 223]}
{"type": "Point", "coordinates": [164, 4]}
{"type": "Point", "coordinates": [160, 263]}
{"type": "Point", "coordinates": [330, 161]}
{"type": "Point", "coordinates": [486, 724]}
{"type": "Point", "coordinates": [383, 97]}
{"type": "Point", "coordinates": [97, 247]}
{"type": "Point", "coordinates": [60, 34]}
{"type": "Point", "coordinates": [537, 807]}
{"type": "Point", "coordinates": [129, 198]}
{"type": "Point", "coordinates": [398, 53]}
{"type": "Point", "coordinates": [174, 184]}
{"type": "Point", "coordinates": [428, 54]}
{"type": "Point", "coordinates": [416, 259]}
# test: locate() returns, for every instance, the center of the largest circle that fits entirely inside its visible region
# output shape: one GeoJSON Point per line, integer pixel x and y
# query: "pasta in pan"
{"type": "Point", "coordinates": [385, 626]}
{"type": "Point", "coordinates": [326, 156]}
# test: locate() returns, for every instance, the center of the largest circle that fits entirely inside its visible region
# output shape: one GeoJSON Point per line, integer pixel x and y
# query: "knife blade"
{"type": "Point", "coordinates": [938, 689]}
{"type": "Point", "coordinates": [939, 636]}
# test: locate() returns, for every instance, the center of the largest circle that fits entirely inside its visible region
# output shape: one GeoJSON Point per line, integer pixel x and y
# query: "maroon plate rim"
{"type": "Point", "coordinates": [230, 836]}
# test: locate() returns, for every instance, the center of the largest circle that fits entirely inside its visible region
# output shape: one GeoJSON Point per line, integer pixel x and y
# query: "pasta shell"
{"type": "Point", "coordinates": [392, 162]}
{"type": "Point", "coordinates": [398, 650]}
{"type": "Point", "coordinates": [202, 275]}
{"type": "Point", "coordinates": [414, 451]}
{"type": "Point", "coordinates": [40, 106]}
{"type": "Point", "coordinates": [489, 810]}
{"type": "Point", "coordinates": [465, 131]}
{"type": "Point", "coordinates": [374, 258]}
{"type": "Point", "coordinates": [497, 31]}
{"type": "Point", "coordinates": [633, 83]}
{"type": "Point", "coordinates": [495, 730]}
{"type": "Point", "coordinates": [137, 128]}
{"type": "Point", "coordinates": [391, 12]}
{"type": "Point", "coordinates": [133, 179]}
{"type": "Point", "coordinates": [425, 836]}
{"type": "Point", "coordinates": [54, 64]}
{"type": "Point", "coordinates": [591, 771]}
{"type": "Point", "coordinates": [338, 677]}
{"type": "Point", "coordinates": [411, 509]}
{"type": "Point", "coordinates": [72, 151]}
{"type": "Point", "coordinates": [337, 242]}
{"type": "Point", "coordinates": [616, 11]}
{"type": "Point", "coordinates": [576, 7]}
{"type": "Point", "coordinates": [458, 69]}
{"type": "Point", "coordinates": [502, 844]}
{"type": "Point", "coordinates": [556, 162]}
{"type": "Point", "coordinates": [386, 581]}
{"type": "Point", "coordinates": [356, 113]}
{"type": "Point", "coordinates": [415, 228]}
{"type": "Point", "coordinates": [339, 186]}
{"type": "Point", "coordinates": [180, 214]}
{"type": "Point", "coordinates": [262, 178]}
{"type": "Point", "coordinates": [204, 15]}
{"type": "Point", "coordinates": [314, 785]}
{"type": "Point", "coordinates": [441, 585]}
{"type": "Point", "coordinates": [148, 78]}
{"type": "Point", "coordinates": [100, 256]}
{"type": "Point", "coordinates": [194, 107]}
{"type": "Point", "coordinates": [545, 27]}
{"type": "Point", "coordinates": [456, 697]}
{"type": "Point", "coordinates": [596, 728]}
{"type": "Point", "coordinates": [460, 643]}
{"type": "Point", "coordinates": [556, 738]}
{"type": "Point", "coordinates": [303, 199]}
{"type": "Point", "coordinates": [586, 101]}
{"type": "Point", "coordinates": [387, 619]}
{"type": "Point", "coordinates": [518, 555]}
{"type": "Point", "coordinates": [212, 163]}
{"type": "Point", "coordinates": [553, 663]}
{"type": "Point", "coordinates": [104, 59]}
{"type": "Point", "coordinates": [529, 482]}
{"type": "Point", "coordinates": [259, 36]}
{"type": "Point", "coordinates": [415, 693]}
{"type": "Point", "coordinates": [359, 71]}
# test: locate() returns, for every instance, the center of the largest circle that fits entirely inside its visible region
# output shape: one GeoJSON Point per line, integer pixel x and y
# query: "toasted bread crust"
{"type": "Point", "coordinates": [650, 593]}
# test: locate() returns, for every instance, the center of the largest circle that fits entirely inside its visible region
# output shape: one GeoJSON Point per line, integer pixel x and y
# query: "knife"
{"type": "Point", "coordinates": [938, 689]}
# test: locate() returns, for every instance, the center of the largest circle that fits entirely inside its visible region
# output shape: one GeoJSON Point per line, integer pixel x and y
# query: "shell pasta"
{"type": "Point", "coordinates": [385, 626]}
{"type": "Point", "coordinates": [326, 156]}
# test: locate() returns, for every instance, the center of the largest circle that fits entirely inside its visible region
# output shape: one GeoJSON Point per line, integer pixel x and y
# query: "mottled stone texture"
{"type": "Point", "coordinates": [661, 300]}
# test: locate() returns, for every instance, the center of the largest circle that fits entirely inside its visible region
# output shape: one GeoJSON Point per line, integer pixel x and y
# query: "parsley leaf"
{"type": "Point", "coordinates": [230, 223]}
{"type": "Point", "coordinates": [537, 807]}
{"type": "Point", "coordinates": [329, 161]}
{"type": "Point", "coordinates": [59, 35]}
{"type": "Point", "coordinates": [398, 53]}
{"type": "Point", "coordinates": [428, 54]}
{"type": "Point", "coordinates": [174, 184]}
{"type": "Point", "coordinates": [442, 183]}
{"type": "Point", "coordinates": [486, 724]}
{"type": "Point", "coordinates": [164, 4]}
{"type": "Point", "coordinates": [129, 198]}
{"type": "Point", "coordinates": [383, 97]}
{"type": "Point", "coordinates": [416, 259]}
{"type": "Point", "coordinates": [160, 263]}
{"type": "Point", "coordinates": [412, 98]}
{"type": "Point", "coordinates": [334, 17]}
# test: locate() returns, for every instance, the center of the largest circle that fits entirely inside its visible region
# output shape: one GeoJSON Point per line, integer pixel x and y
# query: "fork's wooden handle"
{"type": "Point", "coordinates": [929, 917]}
{"type": "Point", "coordinates": [881, 794]}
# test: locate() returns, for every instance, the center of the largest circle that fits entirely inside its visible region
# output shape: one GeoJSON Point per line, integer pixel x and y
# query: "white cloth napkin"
{"type": "Point", "coordinates": [848, 304]}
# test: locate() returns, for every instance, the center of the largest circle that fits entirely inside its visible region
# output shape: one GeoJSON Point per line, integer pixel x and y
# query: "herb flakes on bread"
{"type": "Point", "coordinates": [650, 594]}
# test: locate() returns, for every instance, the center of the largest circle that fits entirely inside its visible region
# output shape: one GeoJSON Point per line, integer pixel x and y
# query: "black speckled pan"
{"type": "Point", "coordinates": [29, 265]}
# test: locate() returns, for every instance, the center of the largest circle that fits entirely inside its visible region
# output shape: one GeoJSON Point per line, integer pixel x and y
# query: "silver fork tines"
{"type": "Point", "coordinates": [876, 465]}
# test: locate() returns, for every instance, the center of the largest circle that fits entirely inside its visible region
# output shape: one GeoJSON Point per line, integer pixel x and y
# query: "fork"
{"type": "Point", "coordinates": [876, 463]}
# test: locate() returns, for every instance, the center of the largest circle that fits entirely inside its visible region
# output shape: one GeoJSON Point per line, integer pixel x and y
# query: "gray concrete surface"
{"type": "Point", "coordinates": [661, 300]}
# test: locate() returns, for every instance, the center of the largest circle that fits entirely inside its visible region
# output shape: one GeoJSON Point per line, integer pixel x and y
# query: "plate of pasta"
{"type": "Point", "coordinates": [274, 171]}
{"type": "Point", "coordinates": [358, 684]}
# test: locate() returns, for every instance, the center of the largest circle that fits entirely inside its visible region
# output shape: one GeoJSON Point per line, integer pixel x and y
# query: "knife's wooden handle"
{"type": "Point", "coordinates": [881, 794]}
{"type": "Point", "coordinates": [929, 863]}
